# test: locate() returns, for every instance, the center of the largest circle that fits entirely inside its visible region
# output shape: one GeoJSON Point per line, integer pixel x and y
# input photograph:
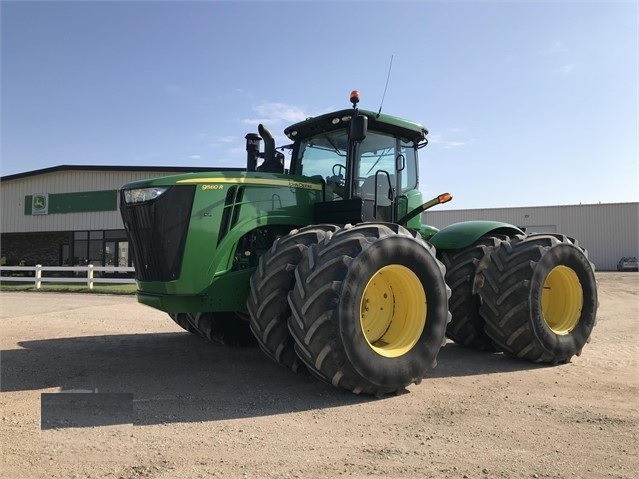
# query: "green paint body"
{"type": "Point", "coordinates": [215, 269]}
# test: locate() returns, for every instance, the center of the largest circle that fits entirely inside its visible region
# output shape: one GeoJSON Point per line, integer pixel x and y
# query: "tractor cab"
{"type": "Point", "coordinates": [366, 161]}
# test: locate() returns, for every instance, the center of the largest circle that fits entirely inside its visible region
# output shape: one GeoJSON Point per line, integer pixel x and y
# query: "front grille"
{"type": "Point", "coordinates": [157, 232]}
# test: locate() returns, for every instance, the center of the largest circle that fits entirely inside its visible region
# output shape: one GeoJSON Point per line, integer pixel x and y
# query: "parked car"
{"type": "Point", "coordinates": [628, 264]}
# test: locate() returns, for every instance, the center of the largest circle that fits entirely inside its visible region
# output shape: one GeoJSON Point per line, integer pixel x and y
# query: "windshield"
{"type": "Point", "coordinates": [325, 156]}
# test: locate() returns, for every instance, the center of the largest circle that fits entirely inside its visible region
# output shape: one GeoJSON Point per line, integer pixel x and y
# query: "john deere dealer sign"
{"type": "Point", "coordinates": [76, 202]}
{"type": "Point", "coordinates": [40, 204]}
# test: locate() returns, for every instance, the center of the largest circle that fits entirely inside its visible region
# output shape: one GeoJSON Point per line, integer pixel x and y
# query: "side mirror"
{"type": "Point", "coordinates": [358, 128]}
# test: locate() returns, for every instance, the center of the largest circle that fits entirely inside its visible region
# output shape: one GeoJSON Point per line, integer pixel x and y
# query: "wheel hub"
{"type": "Point", "coordinates": [562, 300]}
{"type": "Point", "coordinates": [393, 311]}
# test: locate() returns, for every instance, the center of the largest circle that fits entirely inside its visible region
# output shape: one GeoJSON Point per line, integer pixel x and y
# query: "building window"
{"type": "Point", "coordinates": [96, 247]}
{"type": "Point", "coordinates": [99, 248]}
{"type": "Point", "coordinates": [80, 248]}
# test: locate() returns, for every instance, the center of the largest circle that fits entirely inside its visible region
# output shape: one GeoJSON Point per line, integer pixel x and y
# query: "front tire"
{"type": "Point", "coordinates": [270, 284]}
{"type": "Point", "coordinates": [539, 297]}
{"type": "Point", "coordinates": [370, 309]}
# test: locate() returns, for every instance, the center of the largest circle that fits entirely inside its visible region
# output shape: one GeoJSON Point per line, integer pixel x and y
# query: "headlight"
{"type": "Point", "coordinates": [140, 195]}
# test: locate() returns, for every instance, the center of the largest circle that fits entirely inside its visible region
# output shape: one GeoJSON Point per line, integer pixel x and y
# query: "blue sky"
{"type": "Point", "coordinates": [527, 103]}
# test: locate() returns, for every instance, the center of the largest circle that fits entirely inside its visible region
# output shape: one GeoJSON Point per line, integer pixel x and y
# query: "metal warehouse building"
{"type": "Point", "coordinates": [68, 215]}
{"type": "Point", "coordinates": [608, 231]}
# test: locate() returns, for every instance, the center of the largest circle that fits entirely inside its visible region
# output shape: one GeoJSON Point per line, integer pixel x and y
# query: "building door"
{"type": "Point", "coordinates": [123, 253]}
{"type": "Point", "coordinates": [116, 253]}
{"type": "Point", "coordinates": [65, 255]}
{"type": "Point", "coordinates": [109, 253]}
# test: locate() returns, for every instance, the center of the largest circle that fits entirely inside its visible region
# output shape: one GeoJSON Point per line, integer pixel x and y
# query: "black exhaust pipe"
{"type": "Point", "coordinates": [273, 161]}
{"type": "Point", "coordinates": [269, 143]}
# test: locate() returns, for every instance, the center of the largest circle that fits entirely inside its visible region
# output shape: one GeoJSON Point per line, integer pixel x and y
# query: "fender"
{"type": "Point", "coordinates": [461, 235]}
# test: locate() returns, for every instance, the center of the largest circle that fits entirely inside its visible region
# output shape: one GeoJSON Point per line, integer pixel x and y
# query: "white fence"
{"type": "Point", "coordinates": [87, 274]}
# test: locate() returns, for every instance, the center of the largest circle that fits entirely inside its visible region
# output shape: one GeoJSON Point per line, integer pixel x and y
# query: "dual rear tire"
{"type": "Point", "coordinates": [539, 297]}
{"type": "Point", "coordinates": [530, 296]}
{"type": "Point", "coordinates": [467, 325]}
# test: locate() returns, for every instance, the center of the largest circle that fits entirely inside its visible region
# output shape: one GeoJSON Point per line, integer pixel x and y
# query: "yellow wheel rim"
{"type": "Point", "coordinates": [561, 300]}
{"type": "Point", "coordinates": [393, 311]}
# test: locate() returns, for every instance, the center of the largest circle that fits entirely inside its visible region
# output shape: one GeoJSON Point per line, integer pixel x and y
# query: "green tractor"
{"type": "Point", "coordinates": [327, 266]}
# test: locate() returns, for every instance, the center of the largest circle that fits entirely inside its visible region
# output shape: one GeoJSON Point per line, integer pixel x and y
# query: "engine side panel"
{"type": "Point", "coordinates": [214, 240]}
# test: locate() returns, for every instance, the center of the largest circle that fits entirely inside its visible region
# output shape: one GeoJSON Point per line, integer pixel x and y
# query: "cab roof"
{"type": "Point", "coordinates": [339, 119]}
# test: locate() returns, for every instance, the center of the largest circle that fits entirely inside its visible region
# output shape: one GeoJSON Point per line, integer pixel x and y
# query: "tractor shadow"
{"type": "Point", "coordinates": [146, 379]}
{"type": "Point", "coordinates": [457, 361]}
{"type": "Point", "coordinates": [157, 378]}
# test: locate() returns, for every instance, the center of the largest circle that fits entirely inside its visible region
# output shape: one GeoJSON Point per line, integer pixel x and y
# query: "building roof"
{"type": "Point", "coordinates": [175, 169]}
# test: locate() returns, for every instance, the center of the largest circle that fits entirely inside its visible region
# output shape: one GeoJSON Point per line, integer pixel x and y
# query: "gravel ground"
{"type": "Point", "coordinates": [170, 405]}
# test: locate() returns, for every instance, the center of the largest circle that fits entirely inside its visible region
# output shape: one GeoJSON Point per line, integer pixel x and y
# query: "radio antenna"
{"type": "Point", "coordinates": [390, 67]}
